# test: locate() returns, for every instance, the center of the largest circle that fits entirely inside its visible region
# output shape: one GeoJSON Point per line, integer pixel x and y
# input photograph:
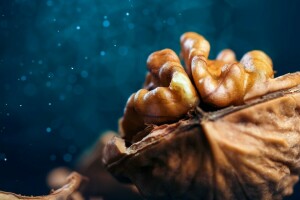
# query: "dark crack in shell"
{"type": "Point", "coordinates": [244, 152]}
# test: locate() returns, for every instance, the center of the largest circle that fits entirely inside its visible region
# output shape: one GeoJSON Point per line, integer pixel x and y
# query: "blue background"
{"type": "Point", "coordinates": [68, 67]}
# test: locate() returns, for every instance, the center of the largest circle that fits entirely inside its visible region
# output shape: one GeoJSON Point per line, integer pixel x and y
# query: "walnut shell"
{"type": "Point", "coordinates": [69, 191]}
{"type": "Point", "coordinates": [240, 152]}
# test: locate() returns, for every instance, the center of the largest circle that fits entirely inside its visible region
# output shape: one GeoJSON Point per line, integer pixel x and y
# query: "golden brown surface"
{"type": "Point", "coordinates": [193, 44]}
{"type": "Point", "coordinates": [246, 152]}
{"type": "Point", "coordinates": [224, 81]}
{"type": "Point", "coordinates": [168, 94]}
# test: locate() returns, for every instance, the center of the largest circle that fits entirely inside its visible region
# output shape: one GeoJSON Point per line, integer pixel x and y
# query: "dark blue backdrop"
{"type": "Point", "coordinates": [67, 67]}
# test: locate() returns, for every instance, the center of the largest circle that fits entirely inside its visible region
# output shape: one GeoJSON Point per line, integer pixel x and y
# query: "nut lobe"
{"type": "Point", "coordinates": [192, 45]}
{"type": "Point", "coordinates": [227, 88]}
{"type": "Point", "coordinates": [224, 81]}
{"type": "Point", "coordinates": [227, 56]}
{"type": "Point", "coordinates": [167, 96]}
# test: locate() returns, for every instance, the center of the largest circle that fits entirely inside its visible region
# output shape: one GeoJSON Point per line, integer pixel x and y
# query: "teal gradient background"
{"type": "Point", "coordinates": [68, 67]}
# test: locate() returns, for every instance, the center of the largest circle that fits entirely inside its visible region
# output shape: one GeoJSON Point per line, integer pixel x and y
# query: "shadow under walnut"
{"type": "Point", "coordinates": [250, 151]}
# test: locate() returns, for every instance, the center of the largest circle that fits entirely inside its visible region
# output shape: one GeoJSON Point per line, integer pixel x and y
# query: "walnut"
{"type": "Point", "coordinates": [245, 145]}
{"type": "Point", "coordinates": [224, 81]}
{"type": "Point", "coordinates": [168, 94]}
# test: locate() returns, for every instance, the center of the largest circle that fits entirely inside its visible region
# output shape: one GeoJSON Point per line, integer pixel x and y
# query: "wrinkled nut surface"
{"type": "Point", "coordinates": [168, 94]}
{"type": "Point", "coordinates": [249, 149]}
{"type": "Point", "coordinates": [66, 192]}
{"type": "Point", "coordinates": [224, 81]}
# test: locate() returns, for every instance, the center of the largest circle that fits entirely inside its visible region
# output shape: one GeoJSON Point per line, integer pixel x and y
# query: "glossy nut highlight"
{"type": "Point", "coordinates": [219, 87]}
{"type": "Point", "coordinates": [261, 76]}
{"type": "Point", "coordinates": [224, 81]}
{"type": "Point", "coordinates": [193, 44]}
{"type": "Point", "coordinates": [168, 94]}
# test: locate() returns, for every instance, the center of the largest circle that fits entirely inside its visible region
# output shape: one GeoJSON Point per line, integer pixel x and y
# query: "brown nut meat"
{"type": "Point", "coordinates": [224, 81]}
{"type": "Point", "coordinates": [249, 150]}
{"type": "Point", "coordinates": [168, 94]}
